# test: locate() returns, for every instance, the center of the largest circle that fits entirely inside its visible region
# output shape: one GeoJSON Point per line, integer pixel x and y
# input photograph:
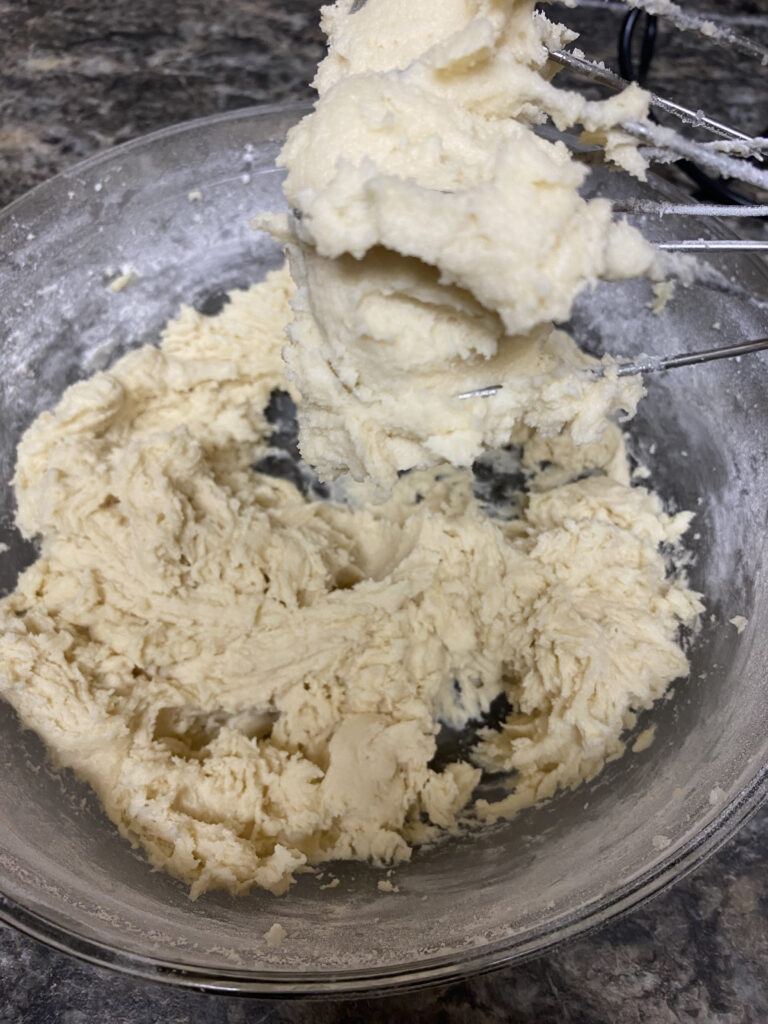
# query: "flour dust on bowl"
{"type": "Point", "coordinates": [167, 217]}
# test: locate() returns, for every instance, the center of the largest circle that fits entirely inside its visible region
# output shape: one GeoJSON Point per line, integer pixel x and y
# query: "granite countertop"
{"type": "Point", "coordinates": [80, 76]}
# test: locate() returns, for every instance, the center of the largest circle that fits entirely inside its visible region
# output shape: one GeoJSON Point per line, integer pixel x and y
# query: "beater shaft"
{"type": "Point", "coordinates": [652, 364]}
{"type": "Point", "coordinates": [603, 76]}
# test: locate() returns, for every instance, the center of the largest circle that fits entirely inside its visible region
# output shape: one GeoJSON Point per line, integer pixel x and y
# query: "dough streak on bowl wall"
{"type": "Point", "coordinates": [252, 679]}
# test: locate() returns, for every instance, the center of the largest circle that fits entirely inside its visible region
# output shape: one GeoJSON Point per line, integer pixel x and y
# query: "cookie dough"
{"type": "Point", "coordinates": [434, 237]}
{"type": "Point", "coordinates": [252, 680]}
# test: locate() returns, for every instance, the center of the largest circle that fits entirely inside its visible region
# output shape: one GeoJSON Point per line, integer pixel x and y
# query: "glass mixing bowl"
{"type": "Point", "coordinates": [173, 209]}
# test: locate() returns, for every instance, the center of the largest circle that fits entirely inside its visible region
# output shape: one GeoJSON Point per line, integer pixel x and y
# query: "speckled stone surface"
{"type": "Point", "coordinates": [81, 75]}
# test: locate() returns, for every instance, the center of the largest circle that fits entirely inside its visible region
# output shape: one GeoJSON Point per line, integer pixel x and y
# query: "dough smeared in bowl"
{"type": "Point", "coordinates": [252, 680]}
{"type": "Point", "coordinates": [435, 237]}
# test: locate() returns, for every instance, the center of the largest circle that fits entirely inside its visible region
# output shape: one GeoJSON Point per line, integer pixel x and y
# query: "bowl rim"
{"type": "Point", "coordinates": [401, 978]}
{"type": "Point", "coordinates": [298, 107]}
{"type": "Point", "coordinates": [355, 981]}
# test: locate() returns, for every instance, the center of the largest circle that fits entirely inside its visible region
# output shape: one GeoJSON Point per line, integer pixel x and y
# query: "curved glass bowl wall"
{"type": "Point", "coordinates": [174, 209]}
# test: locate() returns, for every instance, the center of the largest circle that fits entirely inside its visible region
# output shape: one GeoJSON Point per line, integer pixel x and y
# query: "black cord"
{"type": "Point", "coordinates": [626, 61]}
{"type": "Point", "coordinates": [709, 189]}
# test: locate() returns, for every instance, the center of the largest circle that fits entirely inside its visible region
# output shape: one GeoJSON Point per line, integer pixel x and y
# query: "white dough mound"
{"type": "Point", "coordinates": [252, 681]}
{"type": "Point", "coordinates": [435, 237]}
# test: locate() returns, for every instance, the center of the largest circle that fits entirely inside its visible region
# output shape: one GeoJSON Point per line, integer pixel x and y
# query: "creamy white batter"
{"type": "Point", "coordinates": [435, 237]}
{"type": "Point", "coordinates": [252, 681]}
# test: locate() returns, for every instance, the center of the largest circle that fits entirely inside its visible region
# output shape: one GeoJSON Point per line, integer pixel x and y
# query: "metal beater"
{"type": "Point", "coordinates": [731, 155]}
